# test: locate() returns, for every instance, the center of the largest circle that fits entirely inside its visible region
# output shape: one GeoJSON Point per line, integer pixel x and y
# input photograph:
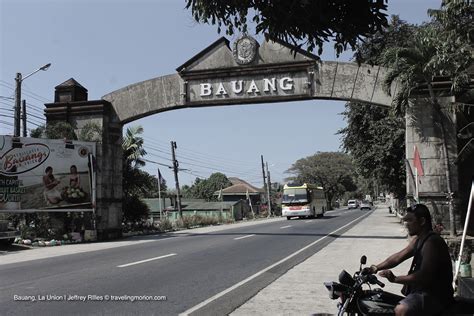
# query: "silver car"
{"type": "Point", "coordinates": [352, 204]}
{"type": "Point", "coordinates": [366, 205]}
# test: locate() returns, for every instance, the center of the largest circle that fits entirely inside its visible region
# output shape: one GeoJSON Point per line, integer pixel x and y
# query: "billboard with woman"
{"type": "Point", "coordinates": [45, 174]}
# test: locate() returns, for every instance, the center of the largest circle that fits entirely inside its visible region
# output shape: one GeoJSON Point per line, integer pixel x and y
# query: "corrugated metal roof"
{"type": "Point", "coordinates": [240, 187]}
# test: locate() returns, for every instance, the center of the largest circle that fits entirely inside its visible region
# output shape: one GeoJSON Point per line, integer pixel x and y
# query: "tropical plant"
{"type": "Point", "coordinates": [135, 181]}
{"type": "Point", "coordinates": [132, 146]}
{"type": "Point", "coordinates": [91, 132]}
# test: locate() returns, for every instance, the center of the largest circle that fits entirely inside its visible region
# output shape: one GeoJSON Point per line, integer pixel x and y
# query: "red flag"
{"type": "Point", "coordinates": [417, 162]}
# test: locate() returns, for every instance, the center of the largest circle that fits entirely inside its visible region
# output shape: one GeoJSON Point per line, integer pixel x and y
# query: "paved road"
{"type": "Point", "coordinates": [188, 268]}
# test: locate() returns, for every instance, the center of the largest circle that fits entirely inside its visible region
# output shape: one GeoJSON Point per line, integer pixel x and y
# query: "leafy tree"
{"type": "Point", "coordinates": [332, 170]}
{"type": "Point", "coordinates": [431, 54]}
{"type": "Point", "coordinates": [151, 188]}
{"type": "Point", "coordinates": [134, 209]}
{"type": "Point", "coordinates": [311, 23]}
{"type": "Point", "coordinates": [395, 34]}
{"type": "Point", "coordinates": [186, 191]}
{"type": "Point", "coordinates": [376, 141]}
{"type": "Point", "coordinates": [55, 130]}
{"type": "Point", "coordinates": [374, 136]}
{"type": "Point", "coordinates": [205, 188]}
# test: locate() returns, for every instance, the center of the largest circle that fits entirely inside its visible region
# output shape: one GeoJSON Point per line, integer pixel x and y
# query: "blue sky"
{"type": "Point", "coordinates": [108, 44]}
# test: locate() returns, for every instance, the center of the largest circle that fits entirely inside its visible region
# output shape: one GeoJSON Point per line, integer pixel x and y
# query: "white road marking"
{"type": "Point", "coordinates": [146, 260]}
{"type": "Point", "coordinates": [285, 226]}
{"type": "Point", "coordinates": [308, 221]}
{"type": "Point", "coordinates": [218, 295]}
{"type": "Point", "coordinates": [246, 236]}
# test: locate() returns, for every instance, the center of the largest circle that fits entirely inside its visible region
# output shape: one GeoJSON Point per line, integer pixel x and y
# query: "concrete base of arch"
{"type": "Point", "coordinates": [108, 167]}
{"type": "Point", "coordinates": [423, 131]}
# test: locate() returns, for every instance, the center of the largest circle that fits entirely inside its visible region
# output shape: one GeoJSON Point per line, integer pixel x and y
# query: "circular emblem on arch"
{"type": "Point", "coordinates": [245, 49]}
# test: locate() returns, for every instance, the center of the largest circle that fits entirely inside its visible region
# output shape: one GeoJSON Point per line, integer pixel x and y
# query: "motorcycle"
{"type": "Point", "coordinates": [354, 299]}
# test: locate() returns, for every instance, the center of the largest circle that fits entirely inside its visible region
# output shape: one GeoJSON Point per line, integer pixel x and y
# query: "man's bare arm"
{"type": "Point", "coordinates": [397, 258]}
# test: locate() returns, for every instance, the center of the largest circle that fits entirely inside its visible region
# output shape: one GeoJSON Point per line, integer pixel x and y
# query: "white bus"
{"type": "Point", "coordinates": [302, 200]}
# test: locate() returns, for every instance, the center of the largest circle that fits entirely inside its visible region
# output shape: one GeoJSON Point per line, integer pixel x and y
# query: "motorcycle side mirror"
{"type": "Point", "coordinates": [363, 260]}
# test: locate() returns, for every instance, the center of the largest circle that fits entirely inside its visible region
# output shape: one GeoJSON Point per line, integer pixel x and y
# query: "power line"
{"type": "Point", "coordinates": [158, 156]}
{"type": "Point", "coordinates": [194, 174]}
{"type": "Point", "coordinates": [6, 123]}
{"type": "Point", "coordinates": [201, 164]}
{"type": "Point", "coordinates": [31, 106]}
{"type": "Point", "coordinates": [38, 117]}
{"type": "Point", "coordinates": [35, 107]}
{"type": "Point", "coordinates": [206, 156]}
{"type": "Point", "coordinates": [206, 166]}
{"type": "Point", "coordinates": [157, 163]}
{"type": "Point", "coordinates": [26, 91]}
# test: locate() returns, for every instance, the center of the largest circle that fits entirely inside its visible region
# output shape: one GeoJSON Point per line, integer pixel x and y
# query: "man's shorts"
{"type": "Point", "coordinates": [421, 303]}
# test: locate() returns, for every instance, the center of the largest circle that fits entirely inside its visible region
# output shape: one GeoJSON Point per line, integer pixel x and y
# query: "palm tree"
{"type": "Point", "coordinates": [135, 181]}
{"type": "Point", "coordinates": [415, 67]}
{"type": "Point", "coordinates": [132, 146]}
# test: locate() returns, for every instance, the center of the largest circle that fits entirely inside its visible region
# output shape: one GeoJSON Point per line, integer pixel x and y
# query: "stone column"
{"type": "Point", "coordinates": [71, 105]}
{"type": "Point", "coordinates": [424, 131]}
{"type": "Point", "coordinates": [109, 178]}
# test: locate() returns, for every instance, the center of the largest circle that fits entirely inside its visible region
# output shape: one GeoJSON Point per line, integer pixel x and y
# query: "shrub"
{"type": "Point", "coordinates": [165, 225]}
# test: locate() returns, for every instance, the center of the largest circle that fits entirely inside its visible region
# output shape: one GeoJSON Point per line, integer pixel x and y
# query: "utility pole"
{"type": "Point", "coordinates": [23, 117]}
{"type": "Point", "coordinates": [263, 173]}
{"type": "Point", "coordinates": [175, 169]}
{"type": "Point", "coordinates": [18, 80]}
{"type": "Point", "coordinates": [159, 195]}
{"type": "Point", "coordinates": [269, 184]}
{"type": "Point", "coordinates": [16, 122]}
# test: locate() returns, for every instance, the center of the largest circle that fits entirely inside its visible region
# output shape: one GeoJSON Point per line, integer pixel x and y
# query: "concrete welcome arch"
{"type": "Point", "coordinates": [208, 79]}
{"type": "Point", "coordinates": [222, 76]}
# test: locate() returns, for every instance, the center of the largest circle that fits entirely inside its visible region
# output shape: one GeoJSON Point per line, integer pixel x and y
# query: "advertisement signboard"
{"type": "Point", "coordinates": [45, 175]}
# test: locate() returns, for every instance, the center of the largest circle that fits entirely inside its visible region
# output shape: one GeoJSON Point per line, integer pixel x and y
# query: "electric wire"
{"type": "Point", "coordinates": [209, 166]}
{"type": "Point", "coordinates": [205, 164]}
{"type": "Point", "coordinates": [26, 91]}
{"type": "Point", "coordinates": [205, 156]}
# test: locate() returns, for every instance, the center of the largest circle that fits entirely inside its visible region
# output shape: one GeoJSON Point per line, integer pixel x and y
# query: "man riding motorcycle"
{"type": "Point", "coordinates": [428, 284]}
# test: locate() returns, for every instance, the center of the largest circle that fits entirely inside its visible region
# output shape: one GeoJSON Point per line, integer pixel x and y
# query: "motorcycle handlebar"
{"type": "Point", "coordinates": [381, 284]}
{"type": "Point", "coordinates": [366, 271]}
{"type": "Point", "coordinates": [372, 279]}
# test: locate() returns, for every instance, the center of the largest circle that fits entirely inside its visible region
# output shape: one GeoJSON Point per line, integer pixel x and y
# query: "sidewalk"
{"type": "Point", "coordinates": [301, 291]}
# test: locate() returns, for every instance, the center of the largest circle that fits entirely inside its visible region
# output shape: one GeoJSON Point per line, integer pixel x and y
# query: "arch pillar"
{"type": "Point", "coordinates": [71, 105]}
{"type": "Point", "coordinates": [423, 132]}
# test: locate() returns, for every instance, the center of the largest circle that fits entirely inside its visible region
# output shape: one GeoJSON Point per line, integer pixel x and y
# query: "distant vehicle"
{"type": "Point", "coordinates": [366, 205]}
{"type": "Point", "coordinates": [302, 200]}
{"type": "Point", "coordinates": [352, 204]}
